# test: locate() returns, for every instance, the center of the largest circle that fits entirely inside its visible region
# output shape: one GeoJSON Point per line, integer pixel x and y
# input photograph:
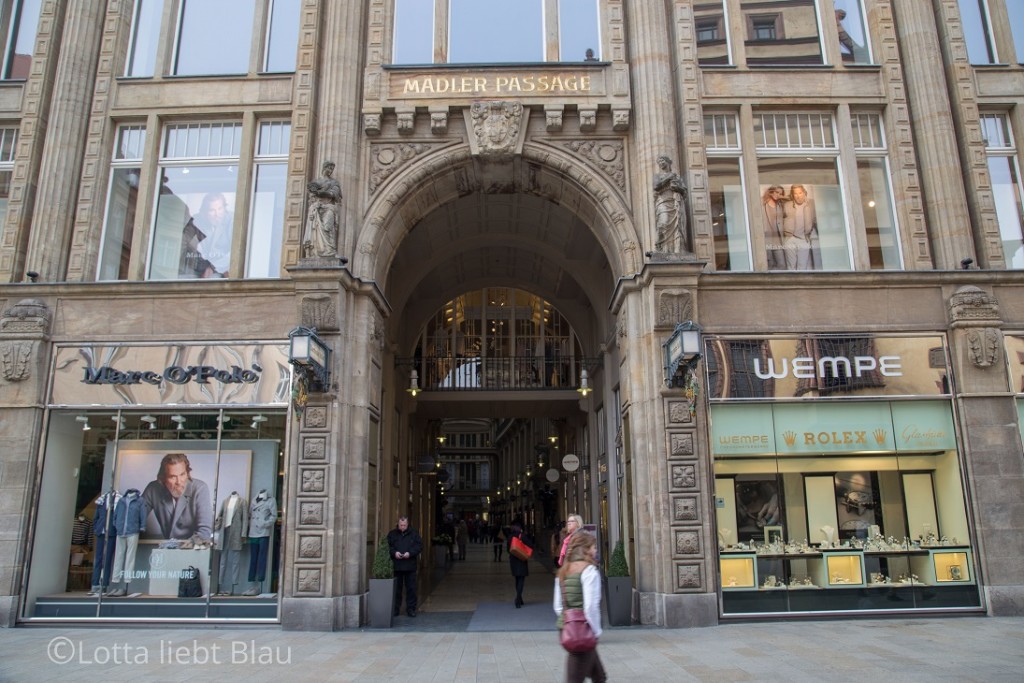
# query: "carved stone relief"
{"type": "Point", "coordinates": [496, 128]}
{"type": "Point", "coordinates": [674, 307]}
{"type": "Point", "coordinates": [972, 304]}
{"type": "Point", "coordinates": [686, 542]}
{"type": "Point", "coordinates": [688, 577]}
{"type": "Point", "coordinates": [606, 155]}
{"type": "Point", "coordinates": [983, 346]}
{"type": "Point", "coordinates": [680, 445]}
{"type": "Point", "coordinates": [318, 313]}
{"type": "Point", "coordinates": [388, 158]}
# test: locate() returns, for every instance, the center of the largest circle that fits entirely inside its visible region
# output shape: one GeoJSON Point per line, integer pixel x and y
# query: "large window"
{"type": "Point", "coordinates": [266, 222]}
{"type": "Point", "coordinates": [202, 46]}
{"type": "Point", "coordinates": [1006, 190]}
{"type": "Point", "coordinates": [192, 232]}
{"type": "Point", "coordinates": [19, 22]}
{"type": "Point", "coordinates": [497, 31]}
{"type": "Point", "coordinates": [725, 173]}
{"type": "Point", "coordinates": [125, 171]}
{"type": "Point", "coordinates": [875, 193]}
{"type": "Point", "coordinates": [781, 32]}
{"type": "Point", "coordinates": [798, 153]}
{"type": "Point", "coordinates": [8, 143]}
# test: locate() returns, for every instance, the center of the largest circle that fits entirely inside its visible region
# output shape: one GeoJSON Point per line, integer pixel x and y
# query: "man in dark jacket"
{"type": "Point", "coordinates": [405, 546]}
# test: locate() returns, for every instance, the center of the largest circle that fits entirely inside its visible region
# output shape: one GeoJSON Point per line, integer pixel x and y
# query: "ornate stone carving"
{"type": "Point", "coordinates": [371, 124]}
{"type": "Point", "coordinates": [606, 155]}
{"type": "Point", "coordinates": [983, 346]}
{"type": "Point", "coordinates": [311, 513]}
{"type": "Point", "coordinates": [680, 444]}
{"type": "Point", "coordinates": [679, 412]}
{"type": "Point", "coordinates": [686, 542]}
{"type": "Point", "coordinates": [674, 307]}
{"type": "Point", "coordinates": [553, 118]}
{"type": "Point", "coordinates": [315, 417]}
{"type": "Point", "coordinates": [308, 580]}
{"type": "Point", "coordinates": [314, 448]}
{"type": "Point", "coordinates": [318, 312]}
{"type": "Point", "coordinates": [311, 547]}
{"type": "Point", "coordinates": [388, 158]}
{"type": "Point", "coordinates": [688, 577]}
{"type": "Point", "coordinates": [406, 122]}
{"type": "Point", "coordinates": [313, 481]}
{"type": "Point", "coordinates": [683, 476]}
{"type": "Point", "coordinates": [971, 304]}
{"type": "Point", "coordinates": [15, 357]}
{"type": "Point", "coordinates": [496, 127]}
{"type": "Point", "coordinates": [439, 122]}
{"type": "Point", "coordinates": [28, 315]}
{"type": "Point", "coordinates": [588, 120]}
{"type": "Point", "coordinates": [684, 509]}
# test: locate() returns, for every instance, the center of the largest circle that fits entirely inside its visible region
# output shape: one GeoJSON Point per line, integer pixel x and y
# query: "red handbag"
{"type": "Point", "coordinates": [519, 549]}
{"type": "Point", "coordinates": [577, 637]}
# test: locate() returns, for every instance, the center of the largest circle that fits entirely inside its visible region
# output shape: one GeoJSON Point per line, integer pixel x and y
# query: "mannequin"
{"type": "Point", "coordinates": [103, 530]}
{"type": "Point", "coordinates": [262, 517]}
{"type": "Point", "coordinates": [232, 522]}
{"type": "Point", "coordinates": [130, 514]}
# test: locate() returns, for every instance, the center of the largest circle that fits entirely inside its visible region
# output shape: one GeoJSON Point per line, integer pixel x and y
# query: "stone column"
{"type": "Point", "coordinates": [60, 167]}
{"type": "Point", "coordinates": [949, 223]}
{"type": "Point", "coordinates": [987, 409]}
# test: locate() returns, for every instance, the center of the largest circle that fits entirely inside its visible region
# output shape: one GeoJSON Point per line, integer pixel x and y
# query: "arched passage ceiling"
{"type": "Point", "coordinates": [500, 240]}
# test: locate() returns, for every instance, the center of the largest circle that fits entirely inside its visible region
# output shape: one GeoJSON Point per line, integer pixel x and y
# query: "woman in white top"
{"type": "Point", "coordinates": [581, 581]}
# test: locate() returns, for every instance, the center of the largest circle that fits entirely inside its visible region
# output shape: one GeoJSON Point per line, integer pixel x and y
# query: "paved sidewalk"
{"type": "Point", "coordinates": [926, 650]}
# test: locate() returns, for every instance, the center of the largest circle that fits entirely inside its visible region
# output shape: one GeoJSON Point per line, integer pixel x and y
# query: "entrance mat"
{"type": "Point", "coordinates": [503, 616]}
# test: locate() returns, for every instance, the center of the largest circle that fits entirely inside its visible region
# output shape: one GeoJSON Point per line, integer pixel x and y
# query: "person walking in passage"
{"type": "Point", "coordinates": [581, 582]}
{"type": "Point", "coordinates": [405, 546]}
{"type": "Point", "coordinates": [520, 568]}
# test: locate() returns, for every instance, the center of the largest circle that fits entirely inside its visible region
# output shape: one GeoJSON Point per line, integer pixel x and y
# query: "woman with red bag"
{"type": "Point", "coordinates": [520, 566]}
{"type": "Point", "coordinates": [580, 581]}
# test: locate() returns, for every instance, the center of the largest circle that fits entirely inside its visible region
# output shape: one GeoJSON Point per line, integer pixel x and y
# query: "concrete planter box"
{"type": "Point", "coordinates": [380, 602]}
{"type": "Point", "coordinates": [620, 600]}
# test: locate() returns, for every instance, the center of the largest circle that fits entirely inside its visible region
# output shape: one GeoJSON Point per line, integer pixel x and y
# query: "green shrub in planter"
{"type": "Point", "coordinates": [382, 565]}
{"type": "Point", "coordinates": [617, 565]}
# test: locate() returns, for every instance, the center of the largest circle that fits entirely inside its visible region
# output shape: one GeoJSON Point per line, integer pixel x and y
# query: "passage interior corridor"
{"type": "Point", "coordinates": [477, 594]}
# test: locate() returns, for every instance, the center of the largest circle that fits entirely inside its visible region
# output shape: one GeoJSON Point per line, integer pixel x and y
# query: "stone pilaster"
{"type": "Point", "coordinates": [949, 224]}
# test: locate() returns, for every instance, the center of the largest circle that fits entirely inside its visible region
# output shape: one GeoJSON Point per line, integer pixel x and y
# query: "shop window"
{"type": "Point", "coordinates": [1006, 187]}
{"type": "Point", "coordinates": [853, 37]}
{"type": "Point", "coordinates": [122, 203]}
{"type": "Point", "coordinates": [266, 215]}
{"type": "Point", "coordinates": [876, 197]}
{"type": "Point", "coordinates": [712, 37]}
{"type": "Point", "coordinates": [497, 32]}
{"type": "Point", "coordinates": [19, 22]}
{"type": "Point", "coordinates": [193, 227]}
{"type": "Point", "coordinates": [809, 230]}
{"type": "Point", "coordinates": [781, 32]}
{"type": "Point", "coordinates": [151, 492]}
{"type": "Point", "coordinates": [976, 27]}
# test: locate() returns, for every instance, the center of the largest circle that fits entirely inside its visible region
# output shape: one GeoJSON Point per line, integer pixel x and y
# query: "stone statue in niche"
{"type": "Point", "coordinates": [670, 194]}
{"type": "Point", "coordinates": [321, 234]}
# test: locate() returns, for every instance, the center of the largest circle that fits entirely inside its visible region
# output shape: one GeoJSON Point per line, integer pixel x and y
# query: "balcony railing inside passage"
{"type": "Point", "coordinates": [496, 373]}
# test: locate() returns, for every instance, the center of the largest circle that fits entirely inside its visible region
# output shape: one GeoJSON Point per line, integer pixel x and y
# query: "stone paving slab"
{"type": "Point", "coordinates": [894, 650]}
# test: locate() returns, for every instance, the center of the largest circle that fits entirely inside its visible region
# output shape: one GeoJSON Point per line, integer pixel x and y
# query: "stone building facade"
{"type": "Point", "coordinates": [859, 382]}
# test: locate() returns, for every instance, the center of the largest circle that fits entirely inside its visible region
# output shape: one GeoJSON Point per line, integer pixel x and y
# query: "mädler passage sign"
{"type": "Point", "coordinates": [496, 84]}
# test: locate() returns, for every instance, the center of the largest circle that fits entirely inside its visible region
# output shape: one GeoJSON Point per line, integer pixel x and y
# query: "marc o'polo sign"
{"type": "Point", "coordinates": [188, 373]}
{"type": "Point", "coordinates": [175, 374]}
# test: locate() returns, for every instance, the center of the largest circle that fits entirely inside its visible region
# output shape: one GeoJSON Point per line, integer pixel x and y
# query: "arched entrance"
{"type": "Point", "coordinates": [537, 224]}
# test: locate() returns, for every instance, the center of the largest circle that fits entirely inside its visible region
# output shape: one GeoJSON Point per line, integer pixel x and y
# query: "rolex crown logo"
{"type": "Point", "coordinates": [789, 436]}
{"type": "Point", "coordinates": [879, 435]}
